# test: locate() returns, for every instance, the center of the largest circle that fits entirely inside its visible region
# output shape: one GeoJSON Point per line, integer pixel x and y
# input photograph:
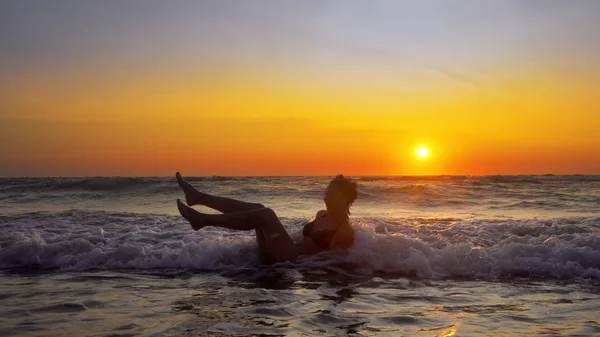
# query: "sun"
{"type": "Point", "coordinates": [422, 152]}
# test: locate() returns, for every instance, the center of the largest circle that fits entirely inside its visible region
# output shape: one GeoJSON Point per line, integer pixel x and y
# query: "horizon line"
{"type": "Point", "coordinates": [315, 176]}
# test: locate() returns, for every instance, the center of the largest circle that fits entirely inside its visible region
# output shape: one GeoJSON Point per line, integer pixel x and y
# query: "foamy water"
{"type": "Point", "coordinates": [432, 255]}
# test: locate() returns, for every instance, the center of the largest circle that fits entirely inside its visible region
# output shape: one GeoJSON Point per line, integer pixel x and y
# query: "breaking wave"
{"type": "Point", "coordinates": [432, 248]}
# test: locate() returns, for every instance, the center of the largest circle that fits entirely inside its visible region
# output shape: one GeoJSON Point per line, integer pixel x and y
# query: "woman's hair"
{"type": "Point", "coordinates": [348, 188]}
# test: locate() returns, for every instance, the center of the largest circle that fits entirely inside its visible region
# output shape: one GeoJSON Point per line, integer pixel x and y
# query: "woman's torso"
{"type": "Point", "coordinates": [327, 234]}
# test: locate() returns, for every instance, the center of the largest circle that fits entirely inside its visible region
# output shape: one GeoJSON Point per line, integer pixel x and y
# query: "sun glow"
{"type": "Point", "coordinates": [422, 152]}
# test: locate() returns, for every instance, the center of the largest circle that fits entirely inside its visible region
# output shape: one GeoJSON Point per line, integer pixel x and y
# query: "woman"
{"type": "Point", "coordinates": [330, 230]}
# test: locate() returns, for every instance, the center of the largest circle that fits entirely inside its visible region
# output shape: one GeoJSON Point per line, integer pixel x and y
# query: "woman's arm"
{"type": "Point", "coordinates": [343, 238]}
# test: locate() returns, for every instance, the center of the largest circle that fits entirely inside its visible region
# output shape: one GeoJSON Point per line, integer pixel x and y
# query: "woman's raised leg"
{"type": "Point", "coordinates": [278, 243]}
{"type": "Point", "coordinates": [221, 204]}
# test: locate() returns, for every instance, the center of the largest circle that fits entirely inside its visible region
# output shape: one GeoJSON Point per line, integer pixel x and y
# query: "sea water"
{"type": "Point", "coordinates": [433, 256]}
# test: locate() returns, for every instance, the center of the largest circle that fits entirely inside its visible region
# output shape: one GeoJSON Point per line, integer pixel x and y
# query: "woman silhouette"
{"type": "Point", "coordinates": [330, 229]}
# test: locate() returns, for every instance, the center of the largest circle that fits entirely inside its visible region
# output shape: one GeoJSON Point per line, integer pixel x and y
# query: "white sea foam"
{"type": "Point", "coordinates": [567, 248]}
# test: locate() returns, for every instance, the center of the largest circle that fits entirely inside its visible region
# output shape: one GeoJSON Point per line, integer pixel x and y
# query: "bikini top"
{"type": "Point", "coordinates": [323, 238]}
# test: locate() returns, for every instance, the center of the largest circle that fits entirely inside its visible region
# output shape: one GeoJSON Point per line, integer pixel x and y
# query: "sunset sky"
{"type": "Point", "coordinates": [134, 88]}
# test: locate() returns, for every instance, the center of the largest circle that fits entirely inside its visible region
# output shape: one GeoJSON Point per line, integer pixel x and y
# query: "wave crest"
{"type": "Point", "coordinates": [424, 248]}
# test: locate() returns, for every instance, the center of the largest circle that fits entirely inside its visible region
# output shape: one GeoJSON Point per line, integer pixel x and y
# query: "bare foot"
{"type": "Point", "coordinates": [191, 215]}
{"type": "Point", "coordinates": [189, 190]}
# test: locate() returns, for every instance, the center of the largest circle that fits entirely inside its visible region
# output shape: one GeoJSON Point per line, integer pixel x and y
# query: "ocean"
{"type": "Point", "coordinates": [433, 256]}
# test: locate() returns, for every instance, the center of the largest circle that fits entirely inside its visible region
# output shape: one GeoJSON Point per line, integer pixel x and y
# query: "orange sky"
{"type": "Point", "coordinates": [301, 94]}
